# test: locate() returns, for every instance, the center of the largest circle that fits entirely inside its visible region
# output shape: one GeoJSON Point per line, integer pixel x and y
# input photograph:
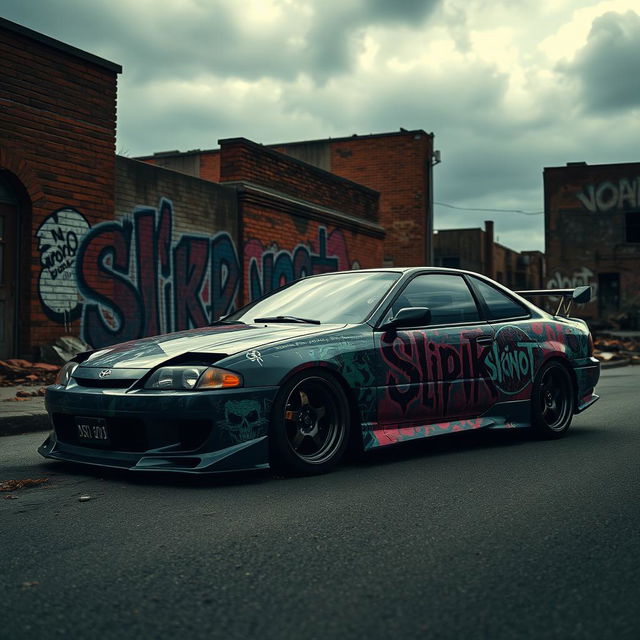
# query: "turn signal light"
{"type": "Point", "coordinates": [214, 378]}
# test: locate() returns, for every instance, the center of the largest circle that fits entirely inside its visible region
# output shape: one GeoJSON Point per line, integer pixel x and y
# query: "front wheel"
{"type": "Point", "coordinates": [552, 401]}
{"type": "Point", "coordinates": [310, 425]}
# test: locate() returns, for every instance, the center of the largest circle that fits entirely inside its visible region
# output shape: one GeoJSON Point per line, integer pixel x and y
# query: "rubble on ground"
{"type": "Point", "coordinates": [13, 485]}
{"type": "Point", "coordinates": [612, 350]}
{"type": "Point", "coordinates": [22, 372]}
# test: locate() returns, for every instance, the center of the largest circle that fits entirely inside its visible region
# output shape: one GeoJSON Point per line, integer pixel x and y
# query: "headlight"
{"type": "Point", "coordinates": [64, 375]}
{"type": "Point", "coordinates": [185, 378]}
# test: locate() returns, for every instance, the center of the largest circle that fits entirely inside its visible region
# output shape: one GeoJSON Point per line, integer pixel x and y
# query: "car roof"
{"type": "Point", "coordinates": [404, 270]}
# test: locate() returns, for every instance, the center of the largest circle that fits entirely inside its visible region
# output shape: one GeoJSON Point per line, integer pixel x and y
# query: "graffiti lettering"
{"type": "Point", "coordinates": [511, 364]}
{"type": "Point", "coordinates": [58, 239]}
{"type": "Point", "coordinates": [607, 195]}
{"type": "Point", "coordinates": [132, 278]}
{"type": "Point", "coordinates": [156, 287]}
{"type": "Point", "coordinates": [270, 268]}
{"type": "Point", "coordinates": [578, 278]}
{"type": "Point", "coordinates": [422, 371]}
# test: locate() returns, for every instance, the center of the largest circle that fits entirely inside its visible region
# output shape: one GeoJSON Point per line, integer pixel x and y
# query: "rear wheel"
{"type": "Point", "coordinates": [552, 400]}
{"type": "Point", "coordinates": [310, 425]}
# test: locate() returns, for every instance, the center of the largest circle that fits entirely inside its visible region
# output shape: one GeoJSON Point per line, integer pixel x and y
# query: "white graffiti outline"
{"type": "Point", "coordinates": [255, 356]}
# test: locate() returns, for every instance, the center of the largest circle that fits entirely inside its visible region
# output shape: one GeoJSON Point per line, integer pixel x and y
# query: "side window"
{"type": "Point", "coordinates": [447, 296]}
{"type": "Point", "coordinates": [500, 306]}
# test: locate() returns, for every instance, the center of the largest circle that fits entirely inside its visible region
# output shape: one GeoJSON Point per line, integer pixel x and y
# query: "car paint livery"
{"type": "Point", "coordinates": [401, 383]}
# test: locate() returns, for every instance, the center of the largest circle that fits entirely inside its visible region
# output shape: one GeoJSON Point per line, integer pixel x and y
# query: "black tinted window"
{"type": "Point", "coordinates": [447, 296]}
{"type": "Point", "coordinates": [500, 305]}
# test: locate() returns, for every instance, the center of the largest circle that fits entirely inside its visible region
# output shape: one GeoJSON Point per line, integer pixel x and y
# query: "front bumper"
{"type": "Point", "coordinates": [188, 432]}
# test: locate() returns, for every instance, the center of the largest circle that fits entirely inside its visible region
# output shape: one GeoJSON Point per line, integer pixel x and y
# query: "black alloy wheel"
{"type": "Point", "coordinates": [310, 426]}
{"type": "Point", "coordinates": [552, 400]}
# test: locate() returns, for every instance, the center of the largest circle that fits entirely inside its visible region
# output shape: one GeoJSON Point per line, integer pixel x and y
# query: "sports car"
{"type": "Point", "coordinates": [332, 362]}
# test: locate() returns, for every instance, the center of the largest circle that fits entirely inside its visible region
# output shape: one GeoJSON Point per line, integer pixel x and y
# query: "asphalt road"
{"type": "Point", "coordinates": [483, 535]}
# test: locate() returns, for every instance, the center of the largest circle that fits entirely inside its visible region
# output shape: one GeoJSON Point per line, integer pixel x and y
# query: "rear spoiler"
{"type": "Point", "coordinates": [579, 295]}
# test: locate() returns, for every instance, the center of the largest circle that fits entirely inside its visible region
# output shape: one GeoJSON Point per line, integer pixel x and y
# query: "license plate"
{"type": "Point", "coordinates": [92, 431]}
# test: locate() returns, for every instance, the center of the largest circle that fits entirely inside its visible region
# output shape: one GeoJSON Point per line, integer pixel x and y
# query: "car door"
{"type": "Point", "coordinates": [516, 352]}
{"type": "Point", "coordinates": [435, 373]}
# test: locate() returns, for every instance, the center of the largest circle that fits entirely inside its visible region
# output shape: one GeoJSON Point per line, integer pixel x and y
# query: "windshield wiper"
{"type": "Point", "coordinates": [286, 319]}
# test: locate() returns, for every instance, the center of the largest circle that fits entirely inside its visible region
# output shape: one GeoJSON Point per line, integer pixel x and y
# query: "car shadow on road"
{"type": "Point", "coordinates": [456, 443]}
{"type": "Point", "coordinates": [161, 478]}
{"type": "Point", "coordinates": [447, 444]}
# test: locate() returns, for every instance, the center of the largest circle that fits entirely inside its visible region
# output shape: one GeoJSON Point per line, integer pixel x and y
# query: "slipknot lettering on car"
{"type": "Point", "coordinates": [334, 362]}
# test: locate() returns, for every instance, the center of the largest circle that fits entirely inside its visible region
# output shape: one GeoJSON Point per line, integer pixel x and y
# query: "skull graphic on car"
{"type": "Point", "coordinates": [244, 420]}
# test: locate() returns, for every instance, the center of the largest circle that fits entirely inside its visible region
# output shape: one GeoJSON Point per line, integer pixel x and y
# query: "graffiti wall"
{"type": "Point", "coordinates": [592, 236]}
{"type": "Point", "coordinates": [138, 276]}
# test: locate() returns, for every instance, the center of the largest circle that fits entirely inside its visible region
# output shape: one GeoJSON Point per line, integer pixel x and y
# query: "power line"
{"type": "Point", "coordinates": [526, 213]}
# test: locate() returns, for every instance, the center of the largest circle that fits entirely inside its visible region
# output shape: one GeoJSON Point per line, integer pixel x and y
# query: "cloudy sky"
{"type": "Point", "coordinates": [508, 87]}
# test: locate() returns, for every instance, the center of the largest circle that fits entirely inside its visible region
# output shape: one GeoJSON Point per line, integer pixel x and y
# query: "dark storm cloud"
{"type": "Point", "coordinates": [608, 66]}
{"type": "Point", "coordinates": [190, 39]}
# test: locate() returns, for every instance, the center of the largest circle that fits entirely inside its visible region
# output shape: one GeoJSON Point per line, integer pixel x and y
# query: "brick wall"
{"type": "Point", "coordinates": [243, 160]}
{"type": "Point", "coordinates": [282, 243]}
{"type": "Point", "coordinates": [57, 144]}
{"type": "Point", "coordinates": [475, 250]}
{"type": "Point", "coordinates": [115, 249]}
{"type": "Point", "coordinates": [396, 165]}
{"type": "Point", "coordinates": [590, 213]}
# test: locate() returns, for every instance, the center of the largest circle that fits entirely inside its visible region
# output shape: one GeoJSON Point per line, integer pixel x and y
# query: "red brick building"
{"type": "Point", "coordinates": [592, 236]}
{"type": "Point", "coordinates": [110, 248]}
{"type": "Point", "coordinates": [476, 250]}
{"type": "Point", "coordinates": [57, 159]}
{"type": "Point", "coordinates": [397, 165]}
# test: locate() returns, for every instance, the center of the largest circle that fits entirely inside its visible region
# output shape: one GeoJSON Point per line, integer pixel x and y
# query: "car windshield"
{"type": "Point", "coordinates": [339, 298]}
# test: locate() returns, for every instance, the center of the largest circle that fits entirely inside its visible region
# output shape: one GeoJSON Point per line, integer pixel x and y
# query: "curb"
{"type": "Point", "coordinates": [18, 424]}
{"type": "Point", "coordinates": [616, 363]}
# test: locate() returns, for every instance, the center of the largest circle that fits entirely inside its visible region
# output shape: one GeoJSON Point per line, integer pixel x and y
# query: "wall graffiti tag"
{"type": "Point", "coordinates": [268, 268]}
{"type": "Point", "coordinates": [59, 238]}
{"type": "Point", "coordinates": [577, 278]}
{"type": "Point", "coordinates": [609, 195]}
{"type": "Point", "coordinates": [137, 281]}
{"type": "Point", "coordinates": [137, 277]}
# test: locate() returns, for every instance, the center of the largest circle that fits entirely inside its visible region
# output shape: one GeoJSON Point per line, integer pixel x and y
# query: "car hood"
{"type": "Point", "coordinates": [220, 340]}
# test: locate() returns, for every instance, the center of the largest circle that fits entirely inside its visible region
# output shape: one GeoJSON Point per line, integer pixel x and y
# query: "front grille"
{"type": "Point", "coordinates": [133, 434]}
{"type": "Point", "coordinates": [96, 383]}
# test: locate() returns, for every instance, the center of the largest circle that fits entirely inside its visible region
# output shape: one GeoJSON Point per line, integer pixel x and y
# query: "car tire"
{"type": "Point", "coordinates": [552, 401]}
{"type": "Point", "coordinates": [310, 425]}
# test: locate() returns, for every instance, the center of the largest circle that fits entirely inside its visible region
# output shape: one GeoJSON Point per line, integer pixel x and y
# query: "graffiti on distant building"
{"type": "Point", "coordinates": [59, 238]}
{"type": "Point", "coordinates": [578, 278]}
{"type": "Point", "coordinates": [610, 195]}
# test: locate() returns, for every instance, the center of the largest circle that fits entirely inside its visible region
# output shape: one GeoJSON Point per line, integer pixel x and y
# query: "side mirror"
{"type": "Point", "coordinates": [409, 317]}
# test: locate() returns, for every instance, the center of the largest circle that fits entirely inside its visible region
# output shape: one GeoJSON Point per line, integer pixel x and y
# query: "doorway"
{"type": "Point", "coordinates": [608, 294]}
{"type": "Point", "coordinates": [8, 274]}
